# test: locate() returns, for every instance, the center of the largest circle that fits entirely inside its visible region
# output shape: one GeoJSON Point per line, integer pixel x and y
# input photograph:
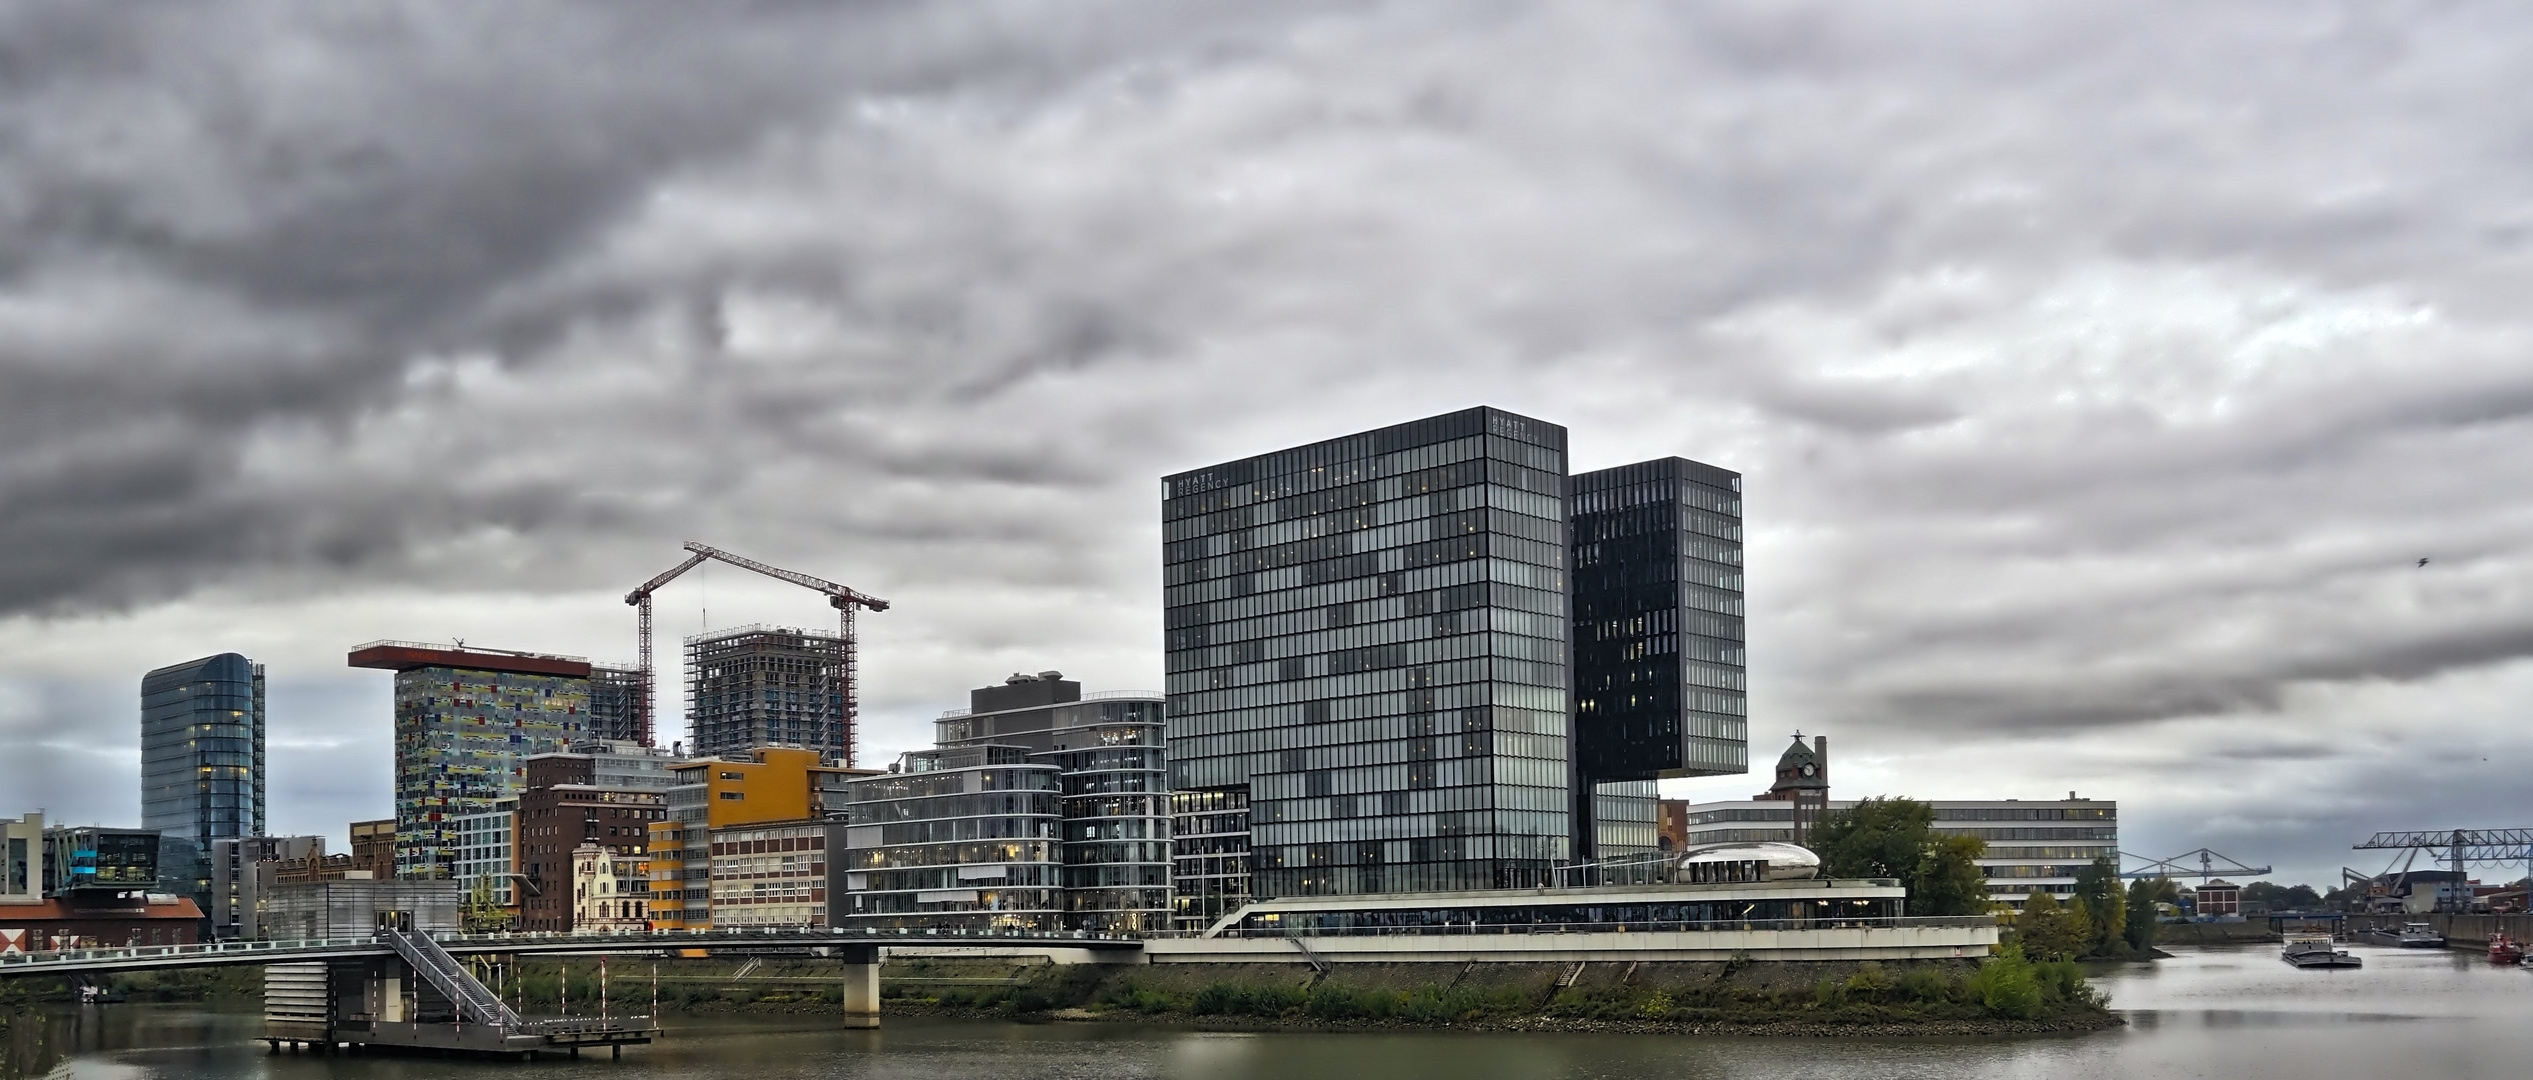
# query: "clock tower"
{"type": "Point", "coordinates": [1803, 779]}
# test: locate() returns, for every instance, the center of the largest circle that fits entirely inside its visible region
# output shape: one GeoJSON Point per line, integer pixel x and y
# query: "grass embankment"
{"type": "Point", "coordinates": [2003, 994]}
{"type": "Point", "coordinates": [2006, 993]}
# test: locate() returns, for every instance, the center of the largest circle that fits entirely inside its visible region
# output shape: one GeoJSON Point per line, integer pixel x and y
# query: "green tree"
{"type": "Point", "coordinates": [2142, 895]}
{"type": "Point", "coordinates": [1949, 881]}
{"type": "Point", "coordinates": [2105, 907]}
{"type": "Point", "coordinates": [2282, 897]}
{"type": "Point", "coordinates": [2050, 930]}
{"type": "Point", "coordinates": [1896, 838]}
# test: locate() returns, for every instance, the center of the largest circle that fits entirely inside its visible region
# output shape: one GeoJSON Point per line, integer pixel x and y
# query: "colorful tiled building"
{"type": "Point", "coordinates": [467, 720]}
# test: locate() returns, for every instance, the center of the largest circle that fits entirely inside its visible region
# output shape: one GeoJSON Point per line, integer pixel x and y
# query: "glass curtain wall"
{"type": "Point", "coordinates": [202, 763]}
{"type": "Point", "coordinates": [1369, 634]}
{"type": "Point", "coordinates": [1661, 688]}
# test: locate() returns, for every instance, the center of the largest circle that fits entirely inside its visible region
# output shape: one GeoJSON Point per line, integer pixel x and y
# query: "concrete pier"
{"type": "Point", "coordinates": [861, 976]}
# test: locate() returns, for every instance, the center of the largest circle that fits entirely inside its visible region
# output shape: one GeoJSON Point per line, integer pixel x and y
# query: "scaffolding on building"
{"type": "Point", "coordinates": [762, 685]}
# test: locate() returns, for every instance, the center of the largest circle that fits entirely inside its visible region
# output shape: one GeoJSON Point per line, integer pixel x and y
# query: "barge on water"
{"type": "Point", "coordinates": [2318, 952]}
{"type": "Point", "coordinates": [2417, 935]}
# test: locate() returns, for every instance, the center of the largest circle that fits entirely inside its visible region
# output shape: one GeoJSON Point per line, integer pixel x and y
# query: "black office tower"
{"type": "Point", "coordinates": [1367, 637]}
{"type": "Point", "coordinates": [1659, 673]}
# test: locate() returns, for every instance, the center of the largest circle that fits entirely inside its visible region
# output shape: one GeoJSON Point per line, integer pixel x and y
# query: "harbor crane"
{"type": "Point", "coordinates": [2456, 848]}
{"type": "Point", "coordinates": [2179, 866]}
{"type": "Point", "coordinates": [844, 600]}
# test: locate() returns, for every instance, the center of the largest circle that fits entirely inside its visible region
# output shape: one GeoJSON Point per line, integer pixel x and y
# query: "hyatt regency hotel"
{"type": "Point", "coordinates": [1429, 657]}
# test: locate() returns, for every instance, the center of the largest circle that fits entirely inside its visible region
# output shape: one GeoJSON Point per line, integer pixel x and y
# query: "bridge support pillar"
{"type": "Point", "coordinates": [861, 985]}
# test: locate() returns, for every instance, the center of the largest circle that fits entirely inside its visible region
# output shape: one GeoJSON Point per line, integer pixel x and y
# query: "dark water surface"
{"type": "Point", "coordinates": [2218, 1013]}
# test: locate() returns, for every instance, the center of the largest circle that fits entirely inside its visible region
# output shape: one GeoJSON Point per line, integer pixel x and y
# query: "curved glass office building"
{"type": "Point", "coordinates": [202, 762]}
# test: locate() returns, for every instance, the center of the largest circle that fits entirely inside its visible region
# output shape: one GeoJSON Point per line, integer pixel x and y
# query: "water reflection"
{"type": "Point", "coordinates": [2223, 1013]}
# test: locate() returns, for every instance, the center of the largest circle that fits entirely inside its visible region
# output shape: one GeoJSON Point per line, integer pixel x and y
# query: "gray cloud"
{"type": "Point", "coordinates": [2095, 367]}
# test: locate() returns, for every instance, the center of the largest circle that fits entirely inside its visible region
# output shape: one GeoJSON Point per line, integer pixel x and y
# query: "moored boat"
{"type": "Point", "coordinates": [2417, 935]}
{"type": "Point", "coordinates": [2505, 950]}
{"type": "Point", "coordinates": [2316, 951]}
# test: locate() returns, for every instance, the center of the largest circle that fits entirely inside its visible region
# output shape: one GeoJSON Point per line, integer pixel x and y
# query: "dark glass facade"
{"type": "Point", "coordinates": [1369, 635]}
{"type": "Point", "coordinates": [202, 763]}
{"type": "Point", "coordinates": [1659, 669]}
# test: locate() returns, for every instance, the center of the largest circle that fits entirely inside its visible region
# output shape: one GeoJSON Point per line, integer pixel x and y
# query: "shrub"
{"type": "Point", "coordinates": [1829, 993]}
{"type": "Point", "coordinates": [1657, 1007]}
{"type": "Point", "coordinates": [1027, 999]}
{"type": "Point", "coordinates": [2007, 985]}
{"type": "Point", "coordinates": [1926, 985]}
{"type": "Point", "coordinates": [1328, 1002]}
{"type": "Point", "coordinates": [1218, 999]}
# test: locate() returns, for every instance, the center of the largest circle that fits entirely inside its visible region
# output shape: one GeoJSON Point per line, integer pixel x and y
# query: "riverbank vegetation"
{"type": "Point", "coordinates": [2007, 987]}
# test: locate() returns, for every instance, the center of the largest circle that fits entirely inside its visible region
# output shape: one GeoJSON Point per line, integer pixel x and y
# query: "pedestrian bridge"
{"type": "Point", "coordinates": [846, 942]}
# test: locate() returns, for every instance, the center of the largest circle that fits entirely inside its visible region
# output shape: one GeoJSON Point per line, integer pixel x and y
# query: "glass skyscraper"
{"type": "Point", "coordinates": [1367, 639]}
{"type": "Point", "coordinates": [202, 763]}
{"type": "Point", "coordinates": [1660, 675]}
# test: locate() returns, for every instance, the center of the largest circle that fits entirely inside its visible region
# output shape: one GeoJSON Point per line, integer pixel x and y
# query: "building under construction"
{"type": "Point", "coordinates": [615, 705]}
{"type": "Point", "coordinates": [768, 686]}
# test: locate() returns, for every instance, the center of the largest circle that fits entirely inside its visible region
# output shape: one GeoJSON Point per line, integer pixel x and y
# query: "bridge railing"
{"type": "Point", "coordinates": [1665, 926]}
{"type": "Point", "coordinates": [220, 948]}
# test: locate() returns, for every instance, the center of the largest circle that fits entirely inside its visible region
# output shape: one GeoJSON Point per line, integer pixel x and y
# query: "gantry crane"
{"type": "Point", "coordinates": [844, 600]}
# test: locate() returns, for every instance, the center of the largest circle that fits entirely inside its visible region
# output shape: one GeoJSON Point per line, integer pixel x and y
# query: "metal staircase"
{"type": "Point", "coordinates": [434, 964]}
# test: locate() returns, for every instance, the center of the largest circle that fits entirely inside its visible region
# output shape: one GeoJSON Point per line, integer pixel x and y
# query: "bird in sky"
{"type": "Point", "coordinates": [2422, 560]}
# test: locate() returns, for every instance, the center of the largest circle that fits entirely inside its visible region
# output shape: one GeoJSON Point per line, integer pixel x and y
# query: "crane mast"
{"type": "Point", "coordinates": [846, 601]}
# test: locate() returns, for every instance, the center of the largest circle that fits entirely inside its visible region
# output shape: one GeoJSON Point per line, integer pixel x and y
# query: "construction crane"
{"type": "Point", "coordinates": [2459, 848]}
{"type": "Point", "coordinates": [844, 600]}
{"type": "Point", "coordinates": [2179, 866]}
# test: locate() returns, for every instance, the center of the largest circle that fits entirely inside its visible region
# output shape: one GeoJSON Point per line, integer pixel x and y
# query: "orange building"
{"type": "Point", "coordinates": [763, 786]}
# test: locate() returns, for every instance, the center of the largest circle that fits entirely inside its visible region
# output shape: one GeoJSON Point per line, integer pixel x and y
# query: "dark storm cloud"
{"type": "Point", "coordinates": [2095, 366]}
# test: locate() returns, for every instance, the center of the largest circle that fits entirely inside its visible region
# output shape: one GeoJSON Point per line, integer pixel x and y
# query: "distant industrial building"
{"type": "Point", "coordinates": [202, 763]}
{"type": "Point", "coordinates": [467, 720]}
{"type": "Point", "coordinates": [1080, 842]}
{"type": "Point", "coordinates": [2037, 846]}
{"type": "Point", "coordinates": [758, 686]}
{"type": "Point", "coordinates": [1377, 680]}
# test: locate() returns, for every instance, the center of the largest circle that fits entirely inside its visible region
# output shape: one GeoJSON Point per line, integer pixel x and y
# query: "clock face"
{"type": "Point", "coordinates": [1809, 770]}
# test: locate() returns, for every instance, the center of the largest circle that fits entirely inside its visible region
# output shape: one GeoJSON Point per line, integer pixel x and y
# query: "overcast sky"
{"type": "Point", "coordinates": [2100, 372]}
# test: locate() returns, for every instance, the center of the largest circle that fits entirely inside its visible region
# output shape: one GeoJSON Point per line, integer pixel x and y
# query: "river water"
{"type": "Point", "coordinates": [2231, 1013]}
